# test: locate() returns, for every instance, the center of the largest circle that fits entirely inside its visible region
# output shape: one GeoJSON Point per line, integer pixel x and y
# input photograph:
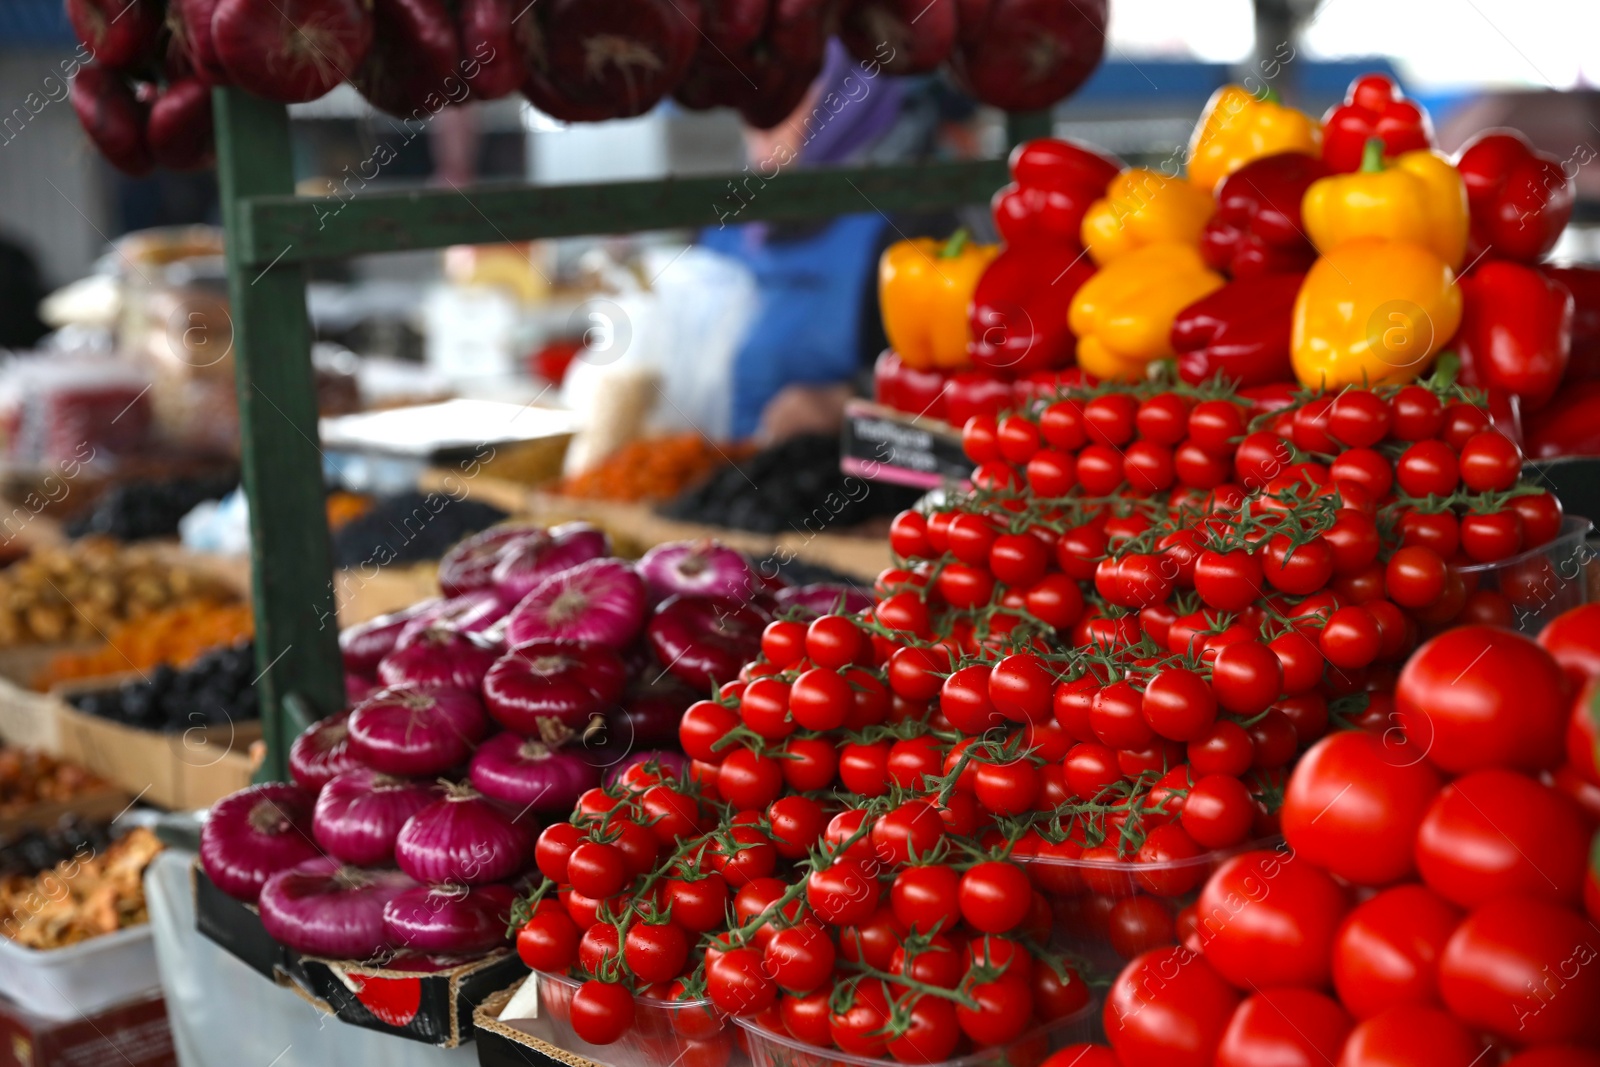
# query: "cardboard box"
{"type": "Point", "coordinates": [28, 719]}
{"type": "Point", "coordinates": [502, 1045]}
{"type": "Point", "coordinates": [178, 771]}
{"type": "Point", "coordinates": [102, 805]}
{"type": "Point", "coordinates": [135, 1034]}
{"type": "Point", "coordinates": [435, 1008]}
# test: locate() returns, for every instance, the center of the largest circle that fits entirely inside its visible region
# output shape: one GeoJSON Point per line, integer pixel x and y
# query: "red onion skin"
{"type": "Point", "coordinates": [449, 918]}
{"type": "Point", "coordinates": [696, 568]}
{"type": "Point", "coordinates": [550, 688]}
{"type": "Point", "coordinates": [323, 908]}
{"type": "Point", "coordinates": [529, 775]}
{"type": "Point", "coordinates": [358, 687]}
{"type": "Point", "coordinates": [522, 568]}
{"type": "Point", "coordinates": [470, 564]}
{"type": "Point", "coordinates": [439, 656]}
{"type": "Point", "coordinates": [413, 730]}
{"type": "Point", "coordinates": [822, 598]}
{"type": "Point", "coordinates": [254, 834]}
{"type": "Point", "coordinates": [361, 646]}
{"type": "Point", "coordinates": [322, 751]}
{"type": "Point", "coordinates": [705, 641]}
{"type": "Point", "coordinates": [359, 815]}
{"type": "Point", "coordinates": [601, 601]}
{"type": "Point", "coordinates": [463, 839]}
{"type": "Point", "coordinates": [469, 613]}
{"type": "Point", "coordinates": [673, 764]}
{"type": "Point", "coordinates": [290, 51]}
{"type": "Point", "coordinates": [649, 719]}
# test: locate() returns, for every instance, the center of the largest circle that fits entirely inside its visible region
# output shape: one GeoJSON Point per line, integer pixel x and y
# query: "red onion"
{"type": "Point", "coordinates": [462, 840]}
{"type": "Point", "coordinates": [358, 687]}
{"type": "Point", "coordinates": [439, 656]}
{"type": "Point", "coordinates": [823, 598]}
{"type": "Point", "coordinates": [705, 641]}
{"type": "Point", "coordinates": [323, 908]}
{"type": "Point", "coordinates": [528, 774]}
{"type": "Point", "coordinates": [413, 730]}
{"type": "Point", "coordinates": [469, 613]}
{"type": "Point", "coordinates": [253, 834]}
{"type": "Point", "coordinates": [470, 564]}
{"type": "Point", "coordinates": [672, 764]}
{"type": "Point", "coordinates": [550, 688]}
{"type": "Point", "coordinates": [649, 715]}
{"type": "Point", "coordinates": [323, 750]}
{"type": "Point", "coordinates": [601, 601]}
{"type": "Point", "coordinates": [523, 567]}
{"type": "Point", "coordinates": [360, 812]}
{"type": "Point", "coordinates": [449, 918]}
{"type": "Point", "coordinates": [361, 646]}
{"type": "Point", "coordinates": [696, 568]}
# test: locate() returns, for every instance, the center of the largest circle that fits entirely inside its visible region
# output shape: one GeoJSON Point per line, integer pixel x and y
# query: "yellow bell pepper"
{"type": "Point", "coordinates": [1144, 207]}
{"type": "Point", "coordinates": [924, 287]}
{"type": "Point", "coordinates": [1373, 310]}
{"type": "Point", "coordinates": [1237, 126]}
{"type": "Point", "coordinates": [1419, 197]}
{"type": "Point", "coordinates": [1122, 316]}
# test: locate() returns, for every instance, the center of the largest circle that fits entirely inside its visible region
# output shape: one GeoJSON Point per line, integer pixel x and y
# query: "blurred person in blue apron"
{"type": "Point", "coordinates": [816, 326]}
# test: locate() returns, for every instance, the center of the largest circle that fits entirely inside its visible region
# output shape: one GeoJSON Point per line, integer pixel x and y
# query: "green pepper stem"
{"type": "Point", "coordinates": [1372, 156]}
{"type": "Point", "coordinates": [952, 248]}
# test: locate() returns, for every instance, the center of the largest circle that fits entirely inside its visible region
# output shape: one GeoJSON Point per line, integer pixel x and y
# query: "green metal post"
{"type": "Point", "coordinates": [1028, 125]}
{"type": "Point", "coordinates": [291, 563]}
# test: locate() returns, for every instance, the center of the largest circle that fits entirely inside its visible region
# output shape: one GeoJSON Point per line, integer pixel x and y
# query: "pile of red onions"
{"type": "Point", "coordinates": [521, 711]}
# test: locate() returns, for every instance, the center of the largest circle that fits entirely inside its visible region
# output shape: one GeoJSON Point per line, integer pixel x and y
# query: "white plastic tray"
{"type": "Point", "coordinates": [82, 979]}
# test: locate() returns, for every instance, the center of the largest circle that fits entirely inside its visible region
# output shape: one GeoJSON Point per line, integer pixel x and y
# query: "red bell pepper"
{"type": "Point", "coordinates": [1520, 199]}
{"type": "Point", "coordinates": [908, 389]}
{"type": "Point", "coordinates": [1018, 320]}
{"type": "Point", "coordinates": [1373, 107]}
{"type": "Point", "coordinates": [1568, 427]}
{"type": "Point", "coordinates": [1516, 331]}
{"type": "Point", "coordinates": [1053, 183]}
{"type": "Point", "coordinates": [1257, 228]}
{"type": "Point", "coordinates": [1584, 284]}
{"type": "Point", "coordinates": [1240, 331]}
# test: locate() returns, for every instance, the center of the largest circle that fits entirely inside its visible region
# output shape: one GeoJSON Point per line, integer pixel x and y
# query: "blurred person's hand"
{"type": "Point", "coordinates": [802, 409]}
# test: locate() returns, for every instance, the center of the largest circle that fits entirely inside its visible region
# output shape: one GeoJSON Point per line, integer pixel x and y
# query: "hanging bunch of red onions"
{"type": "Point", "coordinates": [549, 689]}
{"type": "Point", "coordinates": [529, 774]}
{"type": "Point", "coordinates": [470, 564]}
{"type": "Point", "coordinates": [254, 834]}
{"type": "Point", "coordinates": [697, 568]}
{"type": "Point", "coordinates": [463, 839]}
{"type": "Point", "coordinates": [415, 730]}
{"type": "Point", "coordinates": [523, 566]}
{"type": "Point", "coordinates": [439, 655]}
{"type": "Point", "coordinates": [601, 601]}
{"type": "Point", "coordinates": [324, 908]}
{"type": "Point", "coordinates": [359, 814]}
{"type": "Point", "coordinates": [449, 918]}
{"type": "Point", "coordinates": [322, 751]}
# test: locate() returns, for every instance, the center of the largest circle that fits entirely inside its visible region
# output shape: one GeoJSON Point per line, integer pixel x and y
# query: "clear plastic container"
{"type": "Point", "coordinates": [90, 976]}
{"type": "Point", "coordinates": [1542, 582]}
{"type": "Point", "coordinates": [663, 1031]}
{"type": "Point", "coordinates": [768, 1049]}
{"type": "Point", "coordinates": [1097, 903]}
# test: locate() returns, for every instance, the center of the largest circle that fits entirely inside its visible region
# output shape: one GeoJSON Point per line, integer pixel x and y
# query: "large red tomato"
{"type": "Point", "coordinates": [1387, 950]}
{"type": "Point", "coordinates": [1268, 919]}
{"type": "Point", "coordinates": [1411, 1036]}
{"type": "Point", "coordinates": [1284, 1028]}
{"type": "Point", "coordinates": [1525, 970]}
{"type": "Point", "coordinates": [1573, 638]}
{"type": "Point", "coordinates": [1583, 732]}
{"type": "Point", "coordinates": [1494, 833]}
{"type": "Point", "coordinates": [1480, 696]}
{"type": "Point", "coordinates": [1353, 805]}
{"type": "Point", "coordinates": [1168, 1008]}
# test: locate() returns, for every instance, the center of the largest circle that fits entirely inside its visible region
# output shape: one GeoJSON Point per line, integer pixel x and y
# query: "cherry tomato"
{"type": "Point", "coordinates": [1428, 468]}
{"type": "Point", "coordinates": [1285, 1027]}
{"type": "Point", "coordinates": [1223, 749]}
{"type": "Point", "coordinates": [908, 536]}
{"type": "Point", "coordinates": [601, 1012]}
{"type": "Point", "coordinates": [1541, 517]}
{"type": "Point", "coordinates": [1004, 1010]}
{"type": "Point", "coordinates": [797, 823]}
{"type": "Point", "coordinates": [1061, 424]}
{"type": "Point", "coordinates": [1386, 952]}
{"type": "Point", "coordinates": [1140, 923]}
{"type": "Point", "coordinates": [1228, 581]}
{"type": "Point", "coordinates": [1283, 936]}
{"type": "Point", "coordinates": [1168, 1008]}
{"type": "Point", "coordinates": [927, 899]}
{"type": "Point", "coordinates": [699, 905]}
{"type": "Point", "coordinates": [1487, 537]}
{"type": "Point", "coordinates": [844, 893]}
{"type": "Point", "coordinates": [1179, 705]}
{"type": "Point", "coordinates": [1216, 426]}
{"type": "Point", "coordinates": [995, 896]}
{"type": "Point", "coordinates": [1359, 418]}
{"type": "Point", "coordinates": [1110, 419]}
{"type": "Point", "coordinates": [1247, 677]}
{"type": "Point", "coordinates": [1415, 577]}
{"type": "Point", "coordinates": [1351, 638]}
{"type": "Point", "coordinates": [1461, 422]}
{"type": "Point", "coordinates": [1218, 812]}
{"type": "Point", "coordinates": [1490, 462]}
{"type": "Point", "coordinates": [738, 982]}
{"type": "Point", "coordinates": [1418, 414]}
{"type": "Point", "coordinates": [932, 1031]}
{"type": "Point", "coordinates": [859, 1028]}
{"type": "Point", "coordinates": [596, 869]}
{"type": "Point", "coordinates": [749, 781]}
{"type": "Point", "coordinates": [549, 940]}
{"type": "Point", "coordinates": [1410, 1036]}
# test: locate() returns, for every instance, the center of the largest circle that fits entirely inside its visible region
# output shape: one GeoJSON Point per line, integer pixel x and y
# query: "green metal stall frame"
{"type": "Point", "coordinates": [272, 235]}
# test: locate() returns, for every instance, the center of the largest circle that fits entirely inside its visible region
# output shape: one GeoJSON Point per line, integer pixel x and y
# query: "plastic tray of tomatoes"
{"type": "Point", "coordinates": [1542, 582]}
{"type": "Point", "coordinates": [663, 1031]}
{"type": "Point", "coordinates": [1109, 912]}
{"type": "Point", "coordinates": [769, 1049]}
